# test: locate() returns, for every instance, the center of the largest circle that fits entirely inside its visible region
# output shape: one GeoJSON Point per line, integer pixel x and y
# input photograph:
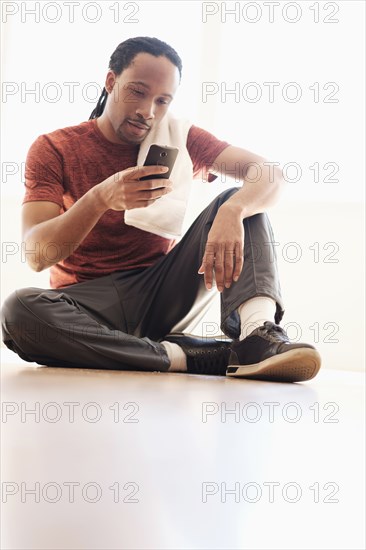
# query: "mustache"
{"type": "Point", "coordinates": [139, 123]}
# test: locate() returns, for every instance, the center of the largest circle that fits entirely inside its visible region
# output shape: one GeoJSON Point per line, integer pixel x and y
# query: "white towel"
{"type": "Point", "coordinates": [165, 216]}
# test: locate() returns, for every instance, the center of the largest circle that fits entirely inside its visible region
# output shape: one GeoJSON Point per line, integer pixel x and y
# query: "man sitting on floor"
{"type": "Point", "coordinates": [122, 288]}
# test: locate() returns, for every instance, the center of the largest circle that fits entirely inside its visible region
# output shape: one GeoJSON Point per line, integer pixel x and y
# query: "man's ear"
{"type": "Point", "coordinates": [110, 81]}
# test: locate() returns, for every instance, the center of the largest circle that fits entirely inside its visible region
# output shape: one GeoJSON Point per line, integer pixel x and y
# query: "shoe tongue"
{"type": "Point", "coordinates": [275, 332]}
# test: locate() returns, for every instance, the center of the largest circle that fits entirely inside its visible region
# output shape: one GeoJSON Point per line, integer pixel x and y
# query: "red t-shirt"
{"type": "Point", "coordinates": [63, 165]}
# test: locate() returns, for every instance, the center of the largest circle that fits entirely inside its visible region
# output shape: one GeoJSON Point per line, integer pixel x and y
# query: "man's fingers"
{"type": "Point", "coordinates": [229, 265]}
{"type": "Point", "coordinates": [143, 199]}
{"type": "Point", "coordinates": [219, 266]}
{"type": "Point", "coordinates": [207, 265]}
{"type": "Point", "coordinates": [152, 194]}
{"type": "Point", "coordinates": [138, 172]}
{"type": "Point", "coordinates": [224, 261]}
{"type": "Point", "coordinates": [145, 185]}
{"type": "Point", "coordinates": [141, 204]}
{"type": "Point", "coordinates": [239, 261]}
{"type": "Point", "coordinates": [213, 262]}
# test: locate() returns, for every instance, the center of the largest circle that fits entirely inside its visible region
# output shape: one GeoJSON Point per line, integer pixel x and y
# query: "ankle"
{"type": "Point", "coordinates": [254, 313]}
{"type": "Point", "coordinates": [177, 357]}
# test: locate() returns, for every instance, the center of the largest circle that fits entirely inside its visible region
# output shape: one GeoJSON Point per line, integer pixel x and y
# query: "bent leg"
{"type": "Point", "coordinates": [172, 290]}
{"type": "Point", "coordinates": [259, 276]}
{"type": "Point", "coordinates": [51, 327]}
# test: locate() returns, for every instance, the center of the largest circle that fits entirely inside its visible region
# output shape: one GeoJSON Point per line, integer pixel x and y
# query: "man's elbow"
{"type": "Point", "coordinates": [32, 255]}
{"type": "Point", "coordinates": [279, 182]}
{"type": "Point", "coordinates": [277, 186]}
{"type": "Point", "coordinates": [35, 264]}
{"type": "Point", "coordinates": [278, 177]}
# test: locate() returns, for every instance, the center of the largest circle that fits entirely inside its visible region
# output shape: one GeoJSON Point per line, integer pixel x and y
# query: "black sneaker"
{"type": "Point", "coordinates": [267, 354]}
{"type": "Point", "coordinates": [204, 355]}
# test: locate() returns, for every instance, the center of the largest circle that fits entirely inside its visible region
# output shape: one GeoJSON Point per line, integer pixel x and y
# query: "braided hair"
{"type": "Point", "coordinates": [125, 53]}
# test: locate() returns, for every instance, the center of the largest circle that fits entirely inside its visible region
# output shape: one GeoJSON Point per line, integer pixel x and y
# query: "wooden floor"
{"type": "Point", "coordinates": [133, 460]}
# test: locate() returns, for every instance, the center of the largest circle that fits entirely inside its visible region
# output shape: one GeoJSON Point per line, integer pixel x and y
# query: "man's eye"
{"type": "Point", "coordinates": [163, 101]}
{"type": "Point", "coordinates": [137, 92]}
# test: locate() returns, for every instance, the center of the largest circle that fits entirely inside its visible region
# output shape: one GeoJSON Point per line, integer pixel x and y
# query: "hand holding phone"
{"type": "Point", "coordinates": [160, 156]}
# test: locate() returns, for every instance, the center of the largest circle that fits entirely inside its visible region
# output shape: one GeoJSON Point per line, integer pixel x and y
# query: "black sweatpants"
{"type": "Point", "coordinates": [117, 321]}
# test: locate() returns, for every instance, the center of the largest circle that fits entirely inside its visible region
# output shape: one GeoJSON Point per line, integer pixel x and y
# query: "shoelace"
{"type": "Point", "coordinates": [273, 332]}
{"type": "Point", "coordinates": [209, 361]}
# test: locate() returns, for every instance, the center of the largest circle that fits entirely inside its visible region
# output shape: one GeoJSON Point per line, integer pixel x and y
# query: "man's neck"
{"type": "Point", "coordinates": [105, 127]}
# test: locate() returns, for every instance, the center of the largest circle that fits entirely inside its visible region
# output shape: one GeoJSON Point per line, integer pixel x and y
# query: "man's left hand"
{"type": "Point", "coordinates": [223, 257]}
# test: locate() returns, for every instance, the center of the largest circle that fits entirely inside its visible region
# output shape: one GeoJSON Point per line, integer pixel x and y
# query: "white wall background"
{"type": "Point", "coordinates": [61, 51]}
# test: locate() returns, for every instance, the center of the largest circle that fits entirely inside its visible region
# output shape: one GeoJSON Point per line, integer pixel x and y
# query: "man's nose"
{"type": "Point", "coordinates": [146, 110]}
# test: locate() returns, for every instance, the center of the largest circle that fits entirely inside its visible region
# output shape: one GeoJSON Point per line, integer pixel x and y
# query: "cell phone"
{"type": "Point", "coordinates": [159, 155]}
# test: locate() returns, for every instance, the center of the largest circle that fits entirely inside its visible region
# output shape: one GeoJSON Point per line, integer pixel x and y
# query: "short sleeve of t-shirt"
{"type": "Point", "coordinates": [43, 173]}
{"type": "Point", "coordinates": [203, 149]}
{"type": "Point", "coordinates": [44, 177]}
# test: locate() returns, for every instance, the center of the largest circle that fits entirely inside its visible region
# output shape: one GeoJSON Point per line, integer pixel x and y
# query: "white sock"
{"type": "Point", "coordinates": [177, 357]}
{"type": "Point", "coordinates": [254, 313]}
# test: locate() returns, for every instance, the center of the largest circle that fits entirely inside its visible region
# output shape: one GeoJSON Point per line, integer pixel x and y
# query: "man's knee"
{"type": "Point", "coordinates": [215, 204]}
{"type": "Point", "coordinates": [15, 310]}
{"type": "Point", "coordinates": [260, 219]}
{"type": "Point", "coordinates": [225, 195]}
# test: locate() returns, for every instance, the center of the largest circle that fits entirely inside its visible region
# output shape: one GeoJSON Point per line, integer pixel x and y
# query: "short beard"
{"type": "Point", "coordinates": [134, 141]}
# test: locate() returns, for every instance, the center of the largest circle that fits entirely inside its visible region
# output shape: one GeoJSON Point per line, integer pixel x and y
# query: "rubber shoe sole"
{"type": "Point", "coordinates": [296, 365]}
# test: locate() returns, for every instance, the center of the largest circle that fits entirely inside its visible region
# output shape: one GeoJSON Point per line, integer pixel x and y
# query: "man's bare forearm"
{"type": "Point", "coordinates": [261, 190]}
{"type": "Point", "coordinates": [55, 239]}
{"type": "Point", "coordinates": [120, 191]}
